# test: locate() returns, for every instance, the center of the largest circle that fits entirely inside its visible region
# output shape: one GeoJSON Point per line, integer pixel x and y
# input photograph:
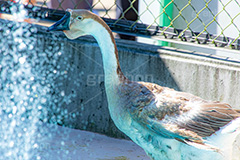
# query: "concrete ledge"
{"type": "Point", "coordinates": [210, 77]}
{"type": "Point", "coordinates": [83, 145]}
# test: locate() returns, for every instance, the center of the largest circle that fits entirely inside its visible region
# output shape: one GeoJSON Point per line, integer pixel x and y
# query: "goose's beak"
{"type": "Point", "coordinates": [62, 24]}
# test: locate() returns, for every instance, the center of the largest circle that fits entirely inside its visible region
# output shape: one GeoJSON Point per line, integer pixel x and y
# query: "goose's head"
{"type": "Point", "coordinates": [76, 23]}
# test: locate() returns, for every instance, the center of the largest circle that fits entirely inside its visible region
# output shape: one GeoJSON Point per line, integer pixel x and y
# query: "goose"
{"type": "Point", "coordinates": [167, 124]}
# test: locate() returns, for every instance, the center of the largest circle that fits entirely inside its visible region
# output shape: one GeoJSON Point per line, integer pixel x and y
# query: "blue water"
{"type": "Point", "coordinates": [29, 94]}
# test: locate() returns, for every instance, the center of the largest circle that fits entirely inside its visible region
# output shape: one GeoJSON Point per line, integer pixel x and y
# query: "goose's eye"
{"type": "Point", "coordinates": [80, 18]}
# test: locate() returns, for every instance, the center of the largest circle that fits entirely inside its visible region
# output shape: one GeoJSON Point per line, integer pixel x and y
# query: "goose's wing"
{"type": "Point", "coordinates": [180, 115]}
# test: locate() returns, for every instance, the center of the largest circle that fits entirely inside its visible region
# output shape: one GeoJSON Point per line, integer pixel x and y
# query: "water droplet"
{"type": "Point", "coordinates": [11, 144]}
{"type": "Point", "coordinates": [35, 145]}
{"type": "Point", "coordinates": [13, 123]}
{"type": "Point", "coordinates": [62, 93]}
{"type": "Point", "coordinates": [23, 109]}
{"type": "Point", "coordinates": [30, 47]}
{"type": "Point", "coordinates": [24, 82]}
{"type": "Point", "coordinates": [14, 110]}
{"type": "Point", "coordinates": [43, 100]}
{"type": "Point", "coordinates": [19, 135]}
{"type": "Point", "coordinates": [22, 119]}
{"type": "Point", "coordinates": [28, 92]}
{"type": "Point", "coordinates": [74, 115]}
{"type": "Point", "coordinates": [22, 46]}
{"type": "Point", "coordinates": [22, 60]}
{"type": "Point", "coordinates": [34, 88]}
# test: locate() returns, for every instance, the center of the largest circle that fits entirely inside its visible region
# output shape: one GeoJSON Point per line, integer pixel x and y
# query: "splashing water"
{"type": "Point", "coordinates": [28, 94]}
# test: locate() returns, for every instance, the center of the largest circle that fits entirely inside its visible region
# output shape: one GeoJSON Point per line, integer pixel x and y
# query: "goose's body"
{"type": "Point", "coordinates": [167, 124]}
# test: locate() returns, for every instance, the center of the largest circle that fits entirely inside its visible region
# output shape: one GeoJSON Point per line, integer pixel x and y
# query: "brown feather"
{"type": "Point", "coordinates": [210, 119]}
{"type": "Point", "coordinates": [172, 104]}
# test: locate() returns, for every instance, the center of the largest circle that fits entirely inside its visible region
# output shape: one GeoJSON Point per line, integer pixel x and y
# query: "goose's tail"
{"type": "Point", "coordinates": [227, 139]}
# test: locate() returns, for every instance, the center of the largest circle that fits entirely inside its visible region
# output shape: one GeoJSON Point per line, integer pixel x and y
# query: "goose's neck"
{"type": "Point", "coordinates": [106, 42]}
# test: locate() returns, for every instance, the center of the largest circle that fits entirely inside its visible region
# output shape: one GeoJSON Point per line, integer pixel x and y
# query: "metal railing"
{"type": "Point", "coordinates": [214, 22]}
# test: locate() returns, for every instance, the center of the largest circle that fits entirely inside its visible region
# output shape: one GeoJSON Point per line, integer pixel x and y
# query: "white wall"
{"type": "Point", "coordinates": [224, 20]}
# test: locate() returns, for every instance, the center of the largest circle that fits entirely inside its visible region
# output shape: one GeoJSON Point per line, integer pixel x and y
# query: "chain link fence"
{"type": "Point", "coordinates": [213, 22]}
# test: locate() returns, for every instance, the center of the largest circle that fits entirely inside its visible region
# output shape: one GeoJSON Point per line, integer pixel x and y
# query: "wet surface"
{"type": "Point", "coordinates": [83, 145]}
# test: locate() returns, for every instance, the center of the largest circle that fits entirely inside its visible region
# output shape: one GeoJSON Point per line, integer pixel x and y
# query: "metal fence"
{"type": "Point", "coordinates": [213, 22]}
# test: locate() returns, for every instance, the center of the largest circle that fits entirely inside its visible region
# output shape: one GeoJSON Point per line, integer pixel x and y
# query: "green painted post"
{"type": "Point", "coordinates": [164, 20]}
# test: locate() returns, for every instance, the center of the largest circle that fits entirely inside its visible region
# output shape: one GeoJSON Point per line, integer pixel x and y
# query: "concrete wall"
{"type": "Point", "coordinates": [208, 77]}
